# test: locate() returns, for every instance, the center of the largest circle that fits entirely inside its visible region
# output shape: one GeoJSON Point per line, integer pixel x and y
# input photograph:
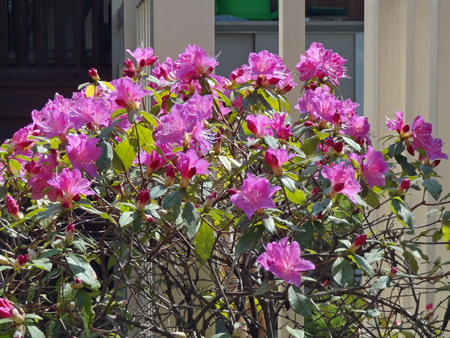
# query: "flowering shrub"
{"type": "Point", "coordinates": [209, 205]}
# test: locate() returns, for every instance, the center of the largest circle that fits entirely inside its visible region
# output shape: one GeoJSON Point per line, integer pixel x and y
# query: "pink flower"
{"type": "Point", "coordinates": [189, 165]}
{"type": "Point", "coordinates": [256, 194]}
{"type": "Point", "coordinates": [144, 57]}
{"type": "Point", "coordinates": [127, 93]}
{"type": "Point", "coordinates": [326, 106]}
{"type": "Point", "coordinates": [9, 311]}
{"type": "Point", "coordinates": [277, 123]}
{"type": "Point", "coordinates": [200, 106]}
{"type": "Point", "coordinates": [20, 139]}
{"type": "Point", "coordinates": [429, 308]}
{"type": "Point", "coordinates": [434, 150]}
{"type": "Point", "coordinates": [342, 178]}
{"type": "Point", "coordinates": [54, 118]}
{"type": "Point", "coordinates": [373, 166]}
{"type": "Point", "coordinates": [194, 64]}
{"type": "Point", "coordinates": [283, 260]}
{"type": "Point", "coordinates": [83, 153]}
{"type": "Point", "coordinates": [309, 62]}
{"type": "Point", "coordinates": [275, 158]}
{"type": "Point", "coordinates": [152, 161]}
{"type": "Point", "coordinates": [164, 72]}
{"type": "Point", "coordinates": [421, 132]}
{"type": "Point", "coordinates": [70, 185]}
{"type": "Point", "coordinates": [90, 110]}
{"type": "Point", "coordinates": [358, 127]}
{"type": "Point", "coordinates": [305, 103]}
{"type": "Point", "coordinates": [259, 125]}
{"type": "Point", "coordinates": [41, 173]}
{"type": "Point", "coordinates": [266, 68]}
{"type": "Point", "coordinates": [396, 123]}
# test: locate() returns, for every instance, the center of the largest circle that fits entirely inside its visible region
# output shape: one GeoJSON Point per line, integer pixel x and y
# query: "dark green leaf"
{"type": "Point", "coordinates": [192, 219]}
{"type": "Point", "coordinates": [250, 238]}
{"type": "Point", "coordinates": [380, 284]}
{"type": "Point", "coordinates": [137, 224]}
{"type": "Point", "coordinates": [372, 199]}
{"type": "Point", "coordinates": [127, 217]}
{"type": "Point", "coordinates": [288, 183]}
{"type": "Point", "coordinates": [407, 167]}
{"type": "Point", "coordinates": [175, 197]}
{"type": "Point", "coordinates": [249, 101]}
{"type": "Point", "coordinates": [204, 243]}
{"type": "Point", "coordinates": [243, 223]}
{"type": "Point", "coordinates": [157, 191]}
{"type": "Point", "coordinates": [51, 210]}
{"type": "Point", "coordinates": [266, 287]}
{"type": "Point", "coordinates": [433, 187]}
{"type": "Point", "coordinates": [268, 223]}
{"type": "Point", "coordinates": [364, 265]}
{"type": "Point", "coordinates": [81, 268]}
{"type": "Point", "coordinates": [35, 332]}
{"type": "Point", "coordinates": [396, 149]}
{"type": "Point", "coordinates": [105, 160]}
{"type": "Point", "coordinates": [375, 255]}
{"type": "Point", "coordinates": [446, 316]}
{"type": "Point", "coordinates": [401, 210]}
{"type": "Point", "coordinates": [221, 335]}
{"type": "Point", "coordinates": [342, 271]}
{"type": "Point", "coordinates": [320, 207]}
{"type": "Point", "coordinates": [373, 313]}
{"type": "Point", "coordinates": [271, 142]}
{"type": "Point", "coordinates": [42, 263]}
{"type": "Point", "coordinates": [104, 134]}
{"type": "Point", "coordinates": [299, 302]}
{"type": "Point", "coordinates": [49, 253]}
{"type": "Point", "coordinates": [304, 238]}
{"type": "Point", "coordinates": [426, 169]}
{"type": "Point", "coordinates": [3, 191]}
{"type": "Point", "coordinates": [84, 302]}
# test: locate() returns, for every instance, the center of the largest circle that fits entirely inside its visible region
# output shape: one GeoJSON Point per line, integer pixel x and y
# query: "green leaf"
{"type": "Point", "coordinates": [126, 151]}
{"type": "Point", "coordinates": [407, 167]}
{"type": "Point", "coordinates": [446, 316]}
{"type": "Point", "coordinates": [407, 334]}
{"type": "Point", "coordinates": [225, 162]}
{"type": "Point", "coordinates": [320, 207]}
{"type": "Point", "coordinates": [175, 197]}
{"type": "Point", "coordinates": [243, 223]}
{"type": "Point", "coordinates": [375, 255]}
{"type": "Point", "coordinates": [42, 263]}
{"type": "Point", "coordinates": [137, 224]}
{"type": "Point", "coordinates": [271, 142]}
{"type": "Point", "coordinates": [5, 267]}
{"type": "Point", "coordinates": [372, 199]}
{"type": "Point", "coordinates": [158, 191]}
{"type": "Point", "coordinates": [268, 223]}
{"type": "Point", "coordinates": [380, 284]}
{"type": "Point", "coordinates": [249, 101]}
{"type": "Point", "coordinates": [104, 134]}
{"type": "Point", "coordinates": [204, 243]}
{"type": "Point", "coordinates": [192, 219]}
{"type": "Point", "coordinates": [446, 232]}
{"type": "Point", "coordinates": [299, 302]}
{"type": "Point", "coordinates": [3, 191]}
{"type": "Point", "coordinates": [295, 333]}
{"type": "Point", "coordinates": [304, 238]}
{"type": "Point", "coordinates": [288, 183]}
{"type": "Point", "coordinates": [145, 137]}
{"type": "Point", "coordinates": [105, 160]}
{"type": "Point", "coordinates": [127, 217]}
{"type": "Point", "coordinates": [84, 302]}
{"type": "Point", "coordinates": [426, 169]}
{"type": "Point", "coordinates": [433, 187]}
{"type": "Point", "coordinates": [364, 265]}
{"type": "Point", "coordinates": [401, 210]}
{"type": "Point", "coordinates": [150, 118]}
{"type": "Point", "coordinates": [266, 287]}
{"type": "Point", "coordinates": [342, 271]}
{"type": "Point", "coordinates": [33, 316]}
{"type": "Point", "coordinates": [352, 143]}
{"type": "Point", "coordinates": [310, 145]}
{"type": "Point", "coordinates": [250, 238]}
{"type": "Point", "coordinates": [221, 335]}
{"type": "Point", "coordinates": [81, 268]}
{"type": "Point", "coordinates": [118, 112]}
{"type": "Point", "coordinates": [373, 313]}
{"type": "Point", "coordinates": [297, 197]}
{"type": "Point", "coordinates": [396, 149]}
{"type": "Point", "coordinates": [35, 332]}
{"type": "Point", "coordinates": [412, 262]}
{"type": "Point", "coordinates": [51, 210]}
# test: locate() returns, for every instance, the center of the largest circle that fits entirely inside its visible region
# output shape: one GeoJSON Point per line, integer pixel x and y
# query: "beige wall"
{"type": "Point", "coordinates": [406, 68]}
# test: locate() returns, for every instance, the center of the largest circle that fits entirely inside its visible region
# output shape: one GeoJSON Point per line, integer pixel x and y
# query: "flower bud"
{"type": "Point", "coordinates": [232, 191]}
{"type": "Point", "coordinates": [360, 240]}
{"type": "Point", "coordinates": [93, 73]}
{"type": "Point", "coordinates": [396, 323]}
{"type": "Point", "coordinates": [393, 273]}
{"type": "Point", "coordinates": [20, 262]}
{"type": "Point", "coordinates": [170, 176]}
{"type": "Point", "coordinates": [210, 199]}
{"type": "Point", "coordinates": [406, 183]}
{"type": "Point", "coordinates": [20, 332]}
{"type": "Point", "coordinates": [308, 123]}
{"type": "Point", "coordinates": [13, 209]}
{"type": "Point", "coordinates": [122, 303]}
{"type": "Point", "coordinates": [4, 260]}
{"type": "Point", "coordinates": [77, 283]}
{"type": "Point", "coordinates": [430, 311]}
{"type": "Point", "coordinates": [179, 335]}
{"type": "Point", "coordinates": [70, 232]}
{"type": "Point", "coordinates": [58, 243]}
{"type": "Point", "coordinates": [143, 199]}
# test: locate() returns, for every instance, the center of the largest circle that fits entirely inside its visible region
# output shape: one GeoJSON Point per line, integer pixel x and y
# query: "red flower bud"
{"type": "Point", "coordinates": [394, 270]}
{"type": "Point", "coordinates": [13, 209]}
{"type": "Point", "coordinates": [94, 74]}
{"type": "Point", "coordinates": [22, 259]}
{"type": "Point", "coordinates": [170, 176]}
{"type": "Point", "coordinates": [410, 149]}
{"type": "Point", "coordinates": [405, 128]}
{"type": "Point", "coordinates": [232, 191]}
{"type": "Point", "coordinates": [337, 118]}
{"type": "Point", "coordinates": [360, 240]}
{"type": "Point", "coordinates": [406, 183]}
{"type": "Point", "coordinates": [308, 123]}
{"type": "Point", "coordinates": [143, 199]}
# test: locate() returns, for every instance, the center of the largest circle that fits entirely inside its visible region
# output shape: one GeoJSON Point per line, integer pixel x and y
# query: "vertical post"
{"type": "Point", "coordinates": [4, 48]}
{"type": "Point", "coordinates": [291, 37]}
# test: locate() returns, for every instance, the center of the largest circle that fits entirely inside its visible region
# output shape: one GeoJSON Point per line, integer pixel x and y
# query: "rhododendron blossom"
{"type": "Point", "coordinates": [128, 94]}
{"type": "Point", "coordinates": [256, 193]}
{"type": "Point", "coordinates": [70, 185]}
{"type": "Point", "coordinates": [342, 178]}
{"type": "Point", "coordinates": [283, 260]}
{"type": "Point", "coordinates": [82, 153]}
{"type": "Point", "coordinates": [421, 132]}
{"type": "Point", "coordinates": [189, 165]}
{"type": "Point", "coordinates": [194, 63]}
{"type": "Point", "coordinates": [275, 158]}
{"type": "Point", "coordinates": [259, 125]}
{"type": "Point", "coordinates": [373, 166]}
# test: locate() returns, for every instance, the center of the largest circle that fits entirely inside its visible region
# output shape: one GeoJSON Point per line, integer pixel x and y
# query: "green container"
{"type": "Point", "coordinates": [256, 10]}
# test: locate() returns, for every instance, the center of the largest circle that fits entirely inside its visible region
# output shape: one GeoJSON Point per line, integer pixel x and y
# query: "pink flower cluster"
{"type": "Point", "coordinates": [321, 63]}
{"type": "Point", "coordinates": [420, 132]}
